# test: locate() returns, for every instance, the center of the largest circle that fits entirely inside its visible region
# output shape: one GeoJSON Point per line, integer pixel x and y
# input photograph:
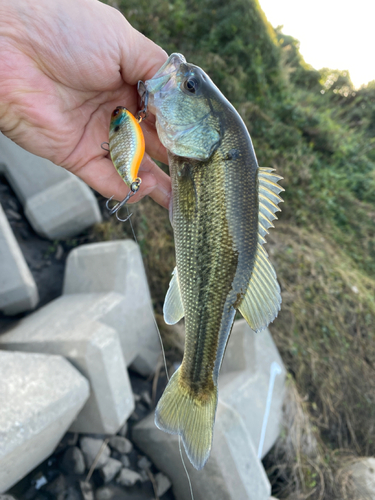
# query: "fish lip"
{"type": "Point", "coordinates": [164, 74]}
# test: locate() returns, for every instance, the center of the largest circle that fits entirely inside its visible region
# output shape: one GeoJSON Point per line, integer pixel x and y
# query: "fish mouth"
{"type": "Point", "coordinates": [165, 74]}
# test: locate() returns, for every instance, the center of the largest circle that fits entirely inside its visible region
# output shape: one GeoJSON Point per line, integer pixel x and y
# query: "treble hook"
{"type": "Point", "coordinates": [133, 189]}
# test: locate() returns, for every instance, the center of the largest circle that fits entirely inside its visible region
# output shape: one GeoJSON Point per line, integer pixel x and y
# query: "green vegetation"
{"type": "Point", "coordinates": [319, 133]}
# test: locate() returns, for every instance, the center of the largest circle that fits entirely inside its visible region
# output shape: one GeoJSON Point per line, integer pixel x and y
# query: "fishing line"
{"type": "Point", "coordinates": [275, 370]}
{"type": "Point", "coordinates": [166, 371]}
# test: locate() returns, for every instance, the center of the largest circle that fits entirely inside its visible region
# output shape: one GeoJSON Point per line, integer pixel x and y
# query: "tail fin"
{"type": "Point", "coordinates": [179, 412]}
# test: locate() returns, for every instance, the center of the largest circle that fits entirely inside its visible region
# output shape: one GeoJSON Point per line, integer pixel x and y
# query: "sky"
{"type": "Point", "coordinates": [334, 34]}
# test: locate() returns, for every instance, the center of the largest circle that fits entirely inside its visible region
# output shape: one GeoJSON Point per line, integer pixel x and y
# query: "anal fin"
{"type": "Point", "coordinates": [262, 299]}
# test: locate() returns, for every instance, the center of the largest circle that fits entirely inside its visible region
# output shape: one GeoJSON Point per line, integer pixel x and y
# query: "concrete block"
{"type": "Point", "coordinates": [240, 354]}
{"type": "Point", "coordinates": [39, 398]}
{"type": "Point", "coordinates": [18, 290]}
{"type": "Point", "coordinates": [68, 326]}
{"type": "Point", "coordinates": [116, 266]}
{"type": "Point", "coordinates": [232, 472]}
{"type": "Point", "coordinates": [57, 204]}
{"type": "Point", "coordinates": [246, 391]}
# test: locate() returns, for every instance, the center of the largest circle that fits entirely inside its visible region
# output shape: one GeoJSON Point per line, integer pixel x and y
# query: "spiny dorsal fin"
{"type": "Point", "coordinates": [268, 200]}
{"type": "Point", "coordinates": [173, 309]}
{"type": "Point", "coordinates": [262, 300]}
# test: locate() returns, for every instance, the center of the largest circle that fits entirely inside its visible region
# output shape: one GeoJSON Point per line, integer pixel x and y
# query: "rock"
{"type": "Point", "coordinates": [110, 469]}
{"type": "Point", "coordinates": [124, 459]}
{"type": "Point", "coordinates": [57, 487]}
{"type": "Point", "coordinates": [117, 267]}
{"type": "Point", "coordinates": [120, 444]}
{"type": "Point", "coordinates": [86, 490]}
{"type": "Point", "coordinates": [39, 398]}
{"type": "Point", "coordinates": [162, 484]}
{"type": "Point", "coordinates": [18, 290]}
{"type": "Point", "coordinates": [72, 494]}
{"type": "Point", "coordinates": [105, 493]}
{"type": "Point", "coordinates": [90, 448]}
{"type": "Point", "coordinates": [128, 477]}
{"type": "Point", "coordinates": [73, 461]}
{"type": "Point", "coordinates": [144, 463]}
{"type": "Point", "coordinates": [232, 472]}
{"type": "Point", "coordinates": [92, 346]}
{"type": "Point", "coordinates": [70, 439]}
{"type": "Point", "coordinates": [247, 391]}
{"type": "Point", "coordinates": [36, 181]}
{"type": "Point", "coordinates": [362, 475]}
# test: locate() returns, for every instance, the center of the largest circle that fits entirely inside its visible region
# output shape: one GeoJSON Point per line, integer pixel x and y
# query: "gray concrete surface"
{"type": "Point", "coordinates": [240, 353]}
{"type": "Point", "coordinates": [39, 398]}
{"type": "Point", "coordinates": [63, 327]}
{"type": "Point", "coordinates": [117, 266]}
{"type": "Point", "coordinates": [246, 391]}
{"type": "Point", "coordinates": [232, 472]}
{"type": "Point", "coordinates": [56, 203]}
{"type": "Point", "coordinates": [18, 290]}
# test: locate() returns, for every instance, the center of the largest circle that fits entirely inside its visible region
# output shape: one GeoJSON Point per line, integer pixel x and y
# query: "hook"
{"type": "Point", "coordinates": [105, 149]}
{"type": "Point", "coordinates": [133, 189]}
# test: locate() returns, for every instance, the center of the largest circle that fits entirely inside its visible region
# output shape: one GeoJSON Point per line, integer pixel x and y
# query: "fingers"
{"type": "Point", "coordinates": [102, 176]}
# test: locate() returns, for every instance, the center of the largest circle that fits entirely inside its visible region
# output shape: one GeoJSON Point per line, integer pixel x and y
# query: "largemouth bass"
{"type": "Point", "coordinates": [223, 204]}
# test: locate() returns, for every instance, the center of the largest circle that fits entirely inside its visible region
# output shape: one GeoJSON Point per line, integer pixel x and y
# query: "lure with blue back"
{"type": "Point", "coordinates": [126, 146]}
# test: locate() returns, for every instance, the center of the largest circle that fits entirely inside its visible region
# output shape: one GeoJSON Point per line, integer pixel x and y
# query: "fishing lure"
{"type": "Point", "coordinates": [127, 148]}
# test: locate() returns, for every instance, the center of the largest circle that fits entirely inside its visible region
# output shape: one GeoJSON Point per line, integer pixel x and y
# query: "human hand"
{"type": "Point", "coordinates": [64, 67]}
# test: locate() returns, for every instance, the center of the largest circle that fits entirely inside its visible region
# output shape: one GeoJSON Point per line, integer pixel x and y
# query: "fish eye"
{"type": "Point", "coordinates": [116, 112]}
{"type": "Point", "coordinates": [191, 85]}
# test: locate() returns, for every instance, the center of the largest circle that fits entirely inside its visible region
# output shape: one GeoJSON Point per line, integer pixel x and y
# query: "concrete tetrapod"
{"type": "Point", "coordinates": [40, 396]}
{"type": "Point", "coordinates": [37, 182]}
{"type": "Point", "coordinates": [247, 391]}
{"type": "Point", "coordinates": [18, 290]}
{"type": "Point", "coordinates": [62, 327]}
{"type": "Point", "coordinates": [117, 266]}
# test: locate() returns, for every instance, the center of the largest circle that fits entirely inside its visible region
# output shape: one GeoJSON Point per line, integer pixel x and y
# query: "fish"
{"type": "Point", "coordinates": [126, 146]}
{"type": "Point", "coordinates": [222, 205]}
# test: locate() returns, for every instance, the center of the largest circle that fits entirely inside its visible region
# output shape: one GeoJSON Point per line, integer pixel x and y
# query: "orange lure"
{"type": "Point", "coordinates": [126, 146]}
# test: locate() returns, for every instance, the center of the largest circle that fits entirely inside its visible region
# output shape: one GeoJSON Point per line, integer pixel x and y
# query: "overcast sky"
{"type": "Point", "coordinates": [332, 33]}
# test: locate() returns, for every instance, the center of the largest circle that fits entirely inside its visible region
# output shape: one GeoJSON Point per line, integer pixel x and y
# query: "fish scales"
{"type": "Point", "coordinates": [223, 204]}
{"type": "Point", "coordinates": [214, 247]}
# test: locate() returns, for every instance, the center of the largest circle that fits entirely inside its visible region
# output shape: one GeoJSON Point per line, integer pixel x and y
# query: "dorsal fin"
{"type": "Point", "coordinates": [268, 200]}
{"type": "Point", "coordinates": [173, 308]}
{"type": "Point", "coordinates": [262, 299]}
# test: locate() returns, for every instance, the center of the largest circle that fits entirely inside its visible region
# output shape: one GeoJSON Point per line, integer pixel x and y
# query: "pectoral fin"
{"type": "Point", "coordinates": [173, 308]}
{"type": "Point", "coordinates": [262, 299]}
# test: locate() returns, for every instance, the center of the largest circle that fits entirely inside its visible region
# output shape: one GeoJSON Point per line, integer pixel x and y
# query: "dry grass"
{"type": "Point", "coordinates": [325, 335]}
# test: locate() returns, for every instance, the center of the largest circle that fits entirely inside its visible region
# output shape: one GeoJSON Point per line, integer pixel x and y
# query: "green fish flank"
{"type": "Point", "coordinates": [222, 205]}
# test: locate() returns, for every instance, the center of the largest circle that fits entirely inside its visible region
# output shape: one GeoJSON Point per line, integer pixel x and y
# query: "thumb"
{"type": "Point", "coordinates": [140, 57]}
